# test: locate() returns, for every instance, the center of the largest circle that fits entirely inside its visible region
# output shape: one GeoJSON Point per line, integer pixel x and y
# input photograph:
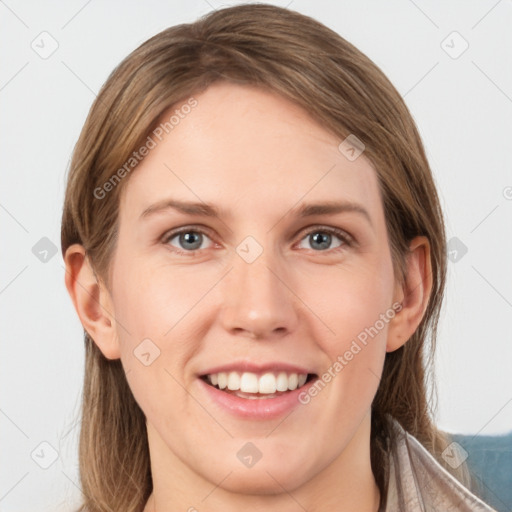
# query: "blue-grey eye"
{"type": "Point", "coordinates": [321, 240]}
{"type": "Point", "coordinates": [188, 241]}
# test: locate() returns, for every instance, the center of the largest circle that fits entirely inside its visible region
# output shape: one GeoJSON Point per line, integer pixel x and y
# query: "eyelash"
{"type": "Point", "coordinates": [347, 239]}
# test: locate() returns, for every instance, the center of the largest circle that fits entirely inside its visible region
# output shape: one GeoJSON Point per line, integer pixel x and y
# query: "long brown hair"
{"type": "Point", "coordinates": [304, 61]}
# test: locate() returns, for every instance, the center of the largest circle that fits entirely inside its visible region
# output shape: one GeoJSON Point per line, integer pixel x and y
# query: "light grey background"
{"type": "Point", "coordinates": [461, 103]}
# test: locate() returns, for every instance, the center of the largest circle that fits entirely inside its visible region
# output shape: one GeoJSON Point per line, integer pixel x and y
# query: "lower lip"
{"type": "Point", "coordinates": [260, 408]}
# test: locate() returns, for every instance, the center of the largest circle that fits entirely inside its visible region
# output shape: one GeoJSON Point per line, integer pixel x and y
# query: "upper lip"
{"type": "Point", "coordinates": [247, 366]}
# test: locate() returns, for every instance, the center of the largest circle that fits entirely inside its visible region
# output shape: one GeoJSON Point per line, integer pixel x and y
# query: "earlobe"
{"type": "Point", "coordinates": [414, 294]}
{"type": "Point", "coordinates": [92, 301]}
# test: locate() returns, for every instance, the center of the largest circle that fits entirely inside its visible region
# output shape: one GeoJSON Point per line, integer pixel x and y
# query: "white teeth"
{"type": "Point", "coordinates": [293, 380]}
{"type": "Point", "coordinates": [233, 381]}
{"type": "Point", "coordinates": [223, 380]}
{"type": "Point", "coordinates": [282, 382]}
{"type": "Point", "coordinates": [248, 382]}
{"type": "Point", "coordinates": [267, 383]}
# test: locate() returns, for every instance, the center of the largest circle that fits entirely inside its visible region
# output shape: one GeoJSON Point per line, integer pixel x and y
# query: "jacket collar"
{"type": "Point", "coordinates": [418, 483]}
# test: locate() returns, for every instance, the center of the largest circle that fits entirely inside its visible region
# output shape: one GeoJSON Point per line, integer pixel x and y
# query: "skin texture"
{"type": "Point", "coordinates": [258, 157]}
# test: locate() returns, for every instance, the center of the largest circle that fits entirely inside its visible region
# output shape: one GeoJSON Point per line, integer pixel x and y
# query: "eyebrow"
{"type": "Point", "coordinates": [210, 210]}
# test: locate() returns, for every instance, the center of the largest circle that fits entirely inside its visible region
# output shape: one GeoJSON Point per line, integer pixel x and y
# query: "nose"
{"type": "Point", "coordinates": [258, 302]}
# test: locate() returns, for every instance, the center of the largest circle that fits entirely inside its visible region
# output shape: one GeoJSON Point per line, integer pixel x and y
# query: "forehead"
{"type": "Point", "coordinates": [250, 151]}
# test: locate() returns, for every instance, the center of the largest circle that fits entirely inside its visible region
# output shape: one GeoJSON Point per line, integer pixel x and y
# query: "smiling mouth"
{"type": "Point", "coordinates": [253, 386]}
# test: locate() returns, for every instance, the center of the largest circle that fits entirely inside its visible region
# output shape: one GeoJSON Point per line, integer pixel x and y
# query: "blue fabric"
{"type": "Point", "coordinates": [490, 462]}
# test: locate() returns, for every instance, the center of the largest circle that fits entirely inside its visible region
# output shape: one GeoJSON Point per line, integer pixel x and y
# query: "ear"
{"type": "Point", "coordinates": [92, 301]}
{"type": "Point", "coordinates": [413, 294]}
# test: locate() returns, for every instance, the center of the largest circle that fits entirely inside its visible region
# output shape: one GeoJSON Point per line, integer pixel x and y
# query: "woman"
{"type": "Point", "coordinates": [256, 369]}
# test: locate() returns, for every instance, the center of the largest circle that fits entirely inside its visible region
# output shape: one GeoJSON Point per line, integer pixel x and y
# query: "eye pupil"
{"type": "Point", "coordinates": [324, 239]}
{"type": "Point", "coordinates": [188, 237]}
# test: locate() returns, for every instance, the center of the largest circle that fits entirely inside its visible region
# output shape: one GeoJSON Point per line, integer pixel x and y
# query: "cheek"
{"type": "Point", "coordinates": [350, 300]}
{"type": "Point", "coordinates": [357, 308]}
{"type": "Point", "coordinates": [151, 307]}
{"type": "Point", "coordinates": [155, 308]}
{"type": "Point", "coordinates": [151, 301]}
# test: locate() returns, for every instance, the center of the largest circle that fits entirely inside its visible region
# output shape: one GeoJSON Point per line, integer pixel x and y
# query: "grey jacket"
{"type": "Point", "coordinates": [418, 483]}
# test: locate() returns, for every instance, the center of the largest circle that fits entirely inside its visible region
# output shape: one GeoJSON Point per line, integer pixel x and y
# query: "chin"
{"type": "Point", "coordinates": [259, 482]}
{"type": "Point", "coordinates": [261, 479]}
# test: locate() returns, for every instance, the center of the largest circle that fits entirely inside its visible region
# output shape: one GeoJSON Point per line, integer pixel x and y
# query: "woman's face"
{"type": "Point", "coordinates": [266, 291]}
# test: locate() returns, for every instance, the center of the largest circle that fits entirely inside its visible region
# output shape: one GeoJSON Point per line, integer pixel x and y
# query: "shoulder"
{"type": "Point", "coordinates": [417, 482]}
